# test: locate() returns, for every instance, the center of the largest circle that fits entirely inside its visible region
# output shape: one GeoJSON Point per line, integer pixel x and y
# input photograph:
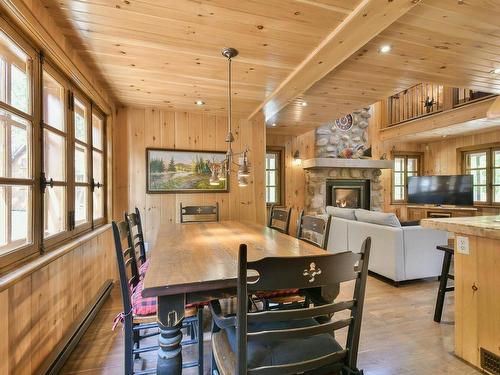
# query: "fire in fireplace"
{"type": "Point", "coordinates": [348, 193]}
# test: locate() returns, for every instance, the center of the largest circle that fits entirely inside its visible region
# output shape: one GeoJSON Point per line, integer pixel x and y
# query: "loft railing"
{"type": "Point", "coordinates": [417, 101]}
{"type": "Point", "coordinates": [463, 96]}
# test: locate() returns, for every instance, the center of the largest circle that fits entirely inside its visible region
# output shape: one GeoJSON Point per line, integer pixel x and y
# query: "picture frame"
{"type": "Point", "coordinates": [185, 171]}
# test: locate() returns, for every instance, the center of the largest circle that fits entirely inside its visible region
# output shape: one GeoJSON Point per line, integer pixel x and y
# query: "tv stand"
{"type": "Point", "coordinates": [419, 212]}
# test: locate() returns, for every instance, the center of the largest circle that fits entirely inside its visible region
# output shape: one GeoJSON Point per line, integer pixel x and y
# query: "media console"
{"type": "Point", "coordinates": [416, 212]}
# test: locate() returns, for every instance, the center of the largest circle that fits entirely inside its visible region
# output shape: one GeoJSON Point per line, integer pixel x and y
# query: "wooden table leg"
{"type": "Point", "coordinates": [170, 316]}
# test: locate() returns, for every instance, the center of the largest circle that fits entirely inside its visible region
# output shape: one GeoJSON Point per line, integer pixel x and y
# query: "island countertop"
{"type": "Point", "coordinates": [481, 226]}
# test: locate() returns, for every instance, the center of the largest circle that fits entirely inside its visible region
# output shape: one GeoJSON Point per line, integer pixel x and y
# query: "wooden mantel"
{"type": "Point", "coordinates": [317, 163]}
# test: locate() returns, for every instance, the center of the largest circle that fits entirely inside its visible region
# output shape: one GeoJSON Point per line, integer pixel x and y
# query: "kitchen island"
{"type": "Point", "coordinates": [477, 287]}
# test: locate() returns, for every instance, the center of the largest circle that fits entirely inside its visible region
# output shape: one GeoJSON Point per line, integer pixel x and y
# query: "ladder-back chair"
{"type": "Point", "coordinates": [314, 229]}
{"type": "Point", "coordinates": [198, 214]}
{"type": "Point", "coordinates": [279, 218]}
{"type": "Point", "coordinates": [295, 340]}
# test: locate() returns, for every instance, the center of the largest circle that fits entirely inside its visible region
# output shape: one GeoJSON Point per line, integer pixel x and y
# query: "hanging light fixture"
{"type": "Point", "coordinates": [244, 165]}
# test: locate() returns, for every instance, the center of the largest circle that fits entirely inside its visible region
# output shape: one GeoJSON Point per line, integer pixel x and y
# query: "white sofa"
{"type": "Point", "coordinates": [397, 252]}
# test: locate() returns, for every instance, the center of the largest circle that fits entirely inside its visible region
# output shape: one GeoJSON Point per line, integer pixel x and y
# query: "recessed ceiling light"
{"type": "Point", "coordinates": [303, 104]}
{"type": "Point", "coordinates": [495, 71]}
{"type": "Point", "coordinates": [199, 102]}
{"type": "Point", "coordinates": [273, 124]}
{"type": "Point", "coordinates": [386, 48]}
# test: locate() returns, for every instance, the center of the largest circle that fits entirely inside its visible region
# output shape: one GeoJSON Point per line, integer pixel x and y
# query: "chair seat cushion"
{"type": "Point", "coordinates": [285, 351]}
{"type": "Point", "coordinates": [142, 306]}
{"type": "Point", "coordinates": [277, 293]}
{"type": "Point", "coordinates": [144, 268]}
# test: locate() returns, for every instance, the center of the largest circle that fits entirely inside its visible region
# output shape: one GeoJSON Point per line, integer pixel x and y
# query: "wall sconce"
{"type": "Point", "coordinates": [296, 158]}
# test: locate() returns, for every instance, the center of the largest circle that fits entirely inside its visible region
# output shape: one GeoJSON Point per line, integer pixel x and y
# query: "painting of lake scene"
{"type": "Point", "coordinates": [182, 171]}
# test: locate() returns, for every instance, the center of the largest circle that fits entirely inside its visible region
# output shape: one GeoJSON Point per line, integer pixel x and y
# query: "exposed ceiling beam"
{"type": "Point", "coordinates": [364, 23]}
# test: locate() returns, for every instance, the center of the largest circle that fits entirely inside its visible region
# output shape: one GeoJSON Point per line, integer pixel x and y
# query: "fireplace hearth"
{"type": "Point", "coordinates": [348, 193]}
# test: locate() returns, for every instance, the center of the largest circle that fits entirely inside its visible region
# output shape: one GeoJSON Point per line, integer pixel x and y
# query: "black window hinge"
{"type": "Point", "coordinates": [95, 185]}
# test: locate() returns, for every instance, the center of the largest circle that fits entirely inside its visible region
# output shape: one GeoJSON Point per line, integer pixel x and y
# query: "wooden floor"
{"type": "Point", "coordinates": [398, 336]}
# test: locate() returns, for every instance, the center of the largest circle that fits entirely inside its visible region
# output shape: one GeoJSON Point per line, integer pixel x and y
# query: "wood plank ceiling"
{"type": "Point", "coordinates": [167, 53]}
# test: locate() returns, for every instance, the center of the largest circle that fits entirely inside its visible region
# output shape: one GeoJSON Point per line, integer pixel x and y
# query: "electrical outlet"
{"type": "Point", "coordinates": [462, 245]}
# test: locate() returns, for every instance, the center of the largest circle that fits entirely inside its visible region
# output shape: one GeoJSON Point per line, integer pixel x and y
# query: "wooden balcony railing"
{"type": "Point", "coordinates": [417, 101]}
{"type": "Point", "coordinates": [463, 96]}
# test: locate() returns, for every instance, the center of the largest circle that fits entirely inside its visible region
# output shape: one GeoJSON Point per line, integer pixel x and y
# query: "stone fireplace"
{"type": "Point", "coordinates": [343, 173]}
{"type": "Point", "coordinates": [358, 187]}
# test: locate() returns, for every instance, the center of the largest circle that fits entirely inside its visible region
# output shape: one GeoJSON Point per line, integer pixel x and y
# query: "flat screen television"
{"type": "Point", "coordinates": [441, 190]}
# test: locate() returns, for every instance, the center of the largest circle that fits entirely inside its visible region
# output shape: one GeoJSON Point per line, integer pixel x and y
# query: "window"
{"type": "Point", "coordinates": [16, 147]}
{"type": "Point", "coordinates": [274, 177]}
{"type": "Point", "coordinates": [52, 155]}
{"type": "Point", "coordinates": [484, 165]}
{"type": "Point", "coordinates": [404, 166]}
{"type": "Point", "coordinates": [98, 166]}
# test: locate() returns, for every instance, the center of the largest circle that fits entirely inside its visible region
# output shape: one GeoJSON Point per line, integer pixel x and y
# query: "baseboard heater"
{"type": "Point", "coordinates": [56, 360]}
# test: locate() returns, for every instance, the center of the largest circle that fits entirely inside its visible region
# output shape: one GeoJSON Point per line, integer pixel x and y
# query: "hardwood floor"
{"type": "Point", "coordinates": [398, 336]}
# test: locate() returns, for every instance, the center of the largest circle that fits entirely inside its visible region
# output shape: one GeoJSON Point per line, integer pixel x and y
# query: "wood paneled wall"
{"type": "Point", "coordinates": [443, 156]}
{"type": "Point", "coordinates": [140, 128]}
{"type": "Point", "coordinates": [38, 309]}
{"type": "Point", "coordinates": [294, 174]}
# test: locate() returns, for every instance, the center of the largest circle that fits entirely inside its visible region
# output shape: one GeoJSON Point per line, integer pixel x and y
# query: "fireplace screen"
{"type": "Point", "coordinates": [350, 193]}
{"type": "Point", "coordinates": [345, 197]}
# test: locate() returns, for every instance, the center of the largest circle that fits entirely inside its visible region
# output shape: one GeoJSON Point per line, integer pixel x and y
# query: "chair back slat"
{"type": "Point", "coordinates": [303, 273]}
{"type": "Point", "coordinates": [287, 315]}
{"type": "Point", "coordinates": [127, 264]}
{"type": "Point", "coordinates": [313, 229]}
{"type": "Point", "coordinates": [279, 219]}
{"type": "Point", "coordinates": [292, 333]}
{"type": "Point", "coordinates": [136, 233]}
{"type": "Point", "coordinates": [302, 367]}
{"type": "Point", "coordinates": [191, 214]}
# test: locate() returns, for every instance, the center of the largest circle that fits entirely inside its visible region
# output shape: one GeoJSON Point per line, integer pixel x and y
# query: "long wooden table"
{"type": "Point", "coordinates": [198, 261]}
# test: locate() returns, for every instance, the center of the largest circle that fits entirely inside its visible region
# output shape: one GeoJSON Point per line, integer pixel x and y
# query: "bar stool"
{"type": "Point", "coordinates": [443, 281]}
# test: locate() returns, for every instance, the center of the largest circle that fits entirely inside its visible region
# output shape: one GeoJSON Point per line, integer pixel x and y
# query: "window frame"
{"type": "Point", "coordinates": [489, 149]}
{"type": "Point", "coordinates": [13, 253]}
{"type": "Point", "coordinates": [104, 185]}
{"type": "Point", "coordinates": [280, 186]}
{"type": "Point", "coordinates": [11, 258]}
{"type": "Point", "coordinates": [405, 155]}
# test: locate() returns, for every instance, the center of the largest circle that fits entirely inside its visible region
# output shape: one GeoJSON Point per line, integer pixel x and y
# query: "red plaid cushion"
{"type": "Point", "coordinates": [144, 268]}
{"type": "Point", "coordinates": [277, 293]}
{"type": "Point", "coordinates": [142, 306]}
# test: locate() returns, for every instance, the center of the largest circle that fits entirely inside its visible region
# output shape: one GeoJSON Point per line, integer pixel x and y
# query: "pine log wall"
{"type": "Point", "coordinates": [43, 301]}
{"type": "Point", "coordinates": [47, 300]}
{"type": "Point", "coordinates": [139, 128]}
{"type": "Point", "coordinates": [294, 174]}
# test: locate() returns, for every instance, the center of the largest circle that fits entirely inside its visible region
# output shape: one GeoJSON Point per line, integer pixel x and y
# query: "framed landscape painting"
{"type": "Point", "coordinates": [185, 171]}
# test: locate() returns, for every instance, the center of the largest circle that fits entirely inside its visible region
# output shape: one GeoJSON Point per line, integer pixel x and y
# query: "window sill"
{"type": "Point", "coordinates": [11, 277]}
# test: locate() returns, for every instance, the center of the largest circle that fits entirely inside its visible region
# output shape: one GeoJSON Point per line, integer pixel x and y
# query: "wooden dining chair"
{"type": "Point", "coordinates": [139, 314]}
{"type": "Point", "coordinates": [314, 229]}
{"type": "Point", "coordinates": [279, 218]}
{"type": "Point", "coordinates": [198, 214]}
{"type": "Point", "coordinates": [296, 340]}
{"type": "Point", "coordinates": [137, 239]}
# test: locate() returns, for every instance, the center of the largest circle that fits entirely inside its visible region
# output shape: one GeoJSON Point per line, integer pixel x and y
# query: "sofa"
{"type": "Point", "coordinates": [398, 252]}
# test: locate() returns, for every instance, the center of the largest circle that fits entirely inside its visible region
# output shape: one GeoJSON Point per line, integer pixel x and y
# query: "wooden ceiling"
{"type": "Point", "coordinates": [167, 53]}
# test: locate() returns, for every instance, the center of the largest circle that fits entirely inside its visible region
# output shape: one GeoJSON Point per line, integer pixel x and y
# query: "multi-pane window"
{"type": "Point", "coordinates": [404, 166]}
{"type": "Point", "coordinates": [82, 141]}
{"type": "Point", "coordinates": [52, 154]}
{"type": "Point", "coordinates": [98, 165]}
{"type": "Point", "coordinates": [55, 163]}
{"type": "Point", "coordinates": [273, 177]}
{"type": "Point", "coordinates": [16, 146]}
{"type": "Point", "coordinates": [484, 166]}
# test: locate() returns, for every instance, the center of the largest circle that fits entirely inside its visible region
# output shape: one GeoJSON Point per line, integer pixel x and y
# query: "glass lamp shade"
{"type": "Point", "coordinates": [242, 181]}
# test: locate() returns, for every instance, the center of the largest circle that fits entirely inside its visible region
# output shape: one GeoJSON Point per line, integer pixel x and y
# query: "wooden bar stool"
{"type": "Point", "coordinates": [443, 281]}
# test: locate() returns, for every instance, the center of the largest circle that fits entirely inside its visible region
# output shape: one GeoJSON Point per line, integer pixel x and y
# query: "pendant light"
{"type": "Point", "coordinates": [244, 167]}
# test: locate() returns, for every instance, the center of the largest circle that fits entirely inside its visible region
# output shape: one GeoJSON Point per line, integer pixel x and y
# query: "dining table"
{"type": "Point", "coordinates": [197, 262]}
